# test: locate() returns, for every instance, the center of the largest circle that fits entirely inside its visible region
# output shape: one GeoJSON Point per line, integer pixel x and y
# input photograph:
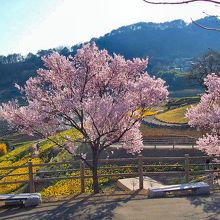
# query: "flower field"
{"type": "Point", "coordinates": [16, 154]}
{"type": "Point", "coordinates": [5, 164]}
{"type": "Point", "coordinates": [21, 156]}
{"type": "Point", "coordinates": [18, 157]}
{"type": "Point", "coordinates": [12, 187]}
{"type": "Point", "coordinates": [67, 187]}
{"type": "Point", "coordinates": [14, 158]}
{"type": "Point", "coordinates": [72, 186]}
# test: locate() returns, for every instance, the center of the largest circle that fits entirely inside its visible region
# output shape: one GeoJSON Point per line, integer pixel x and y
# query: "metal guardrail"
{"type": "Point", "coordinates": [170, 141]}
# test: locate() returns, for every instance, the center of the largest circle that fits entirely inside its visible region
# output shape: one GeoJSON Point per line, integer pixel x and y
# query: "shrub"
{"type": "Point", "coordinates": [3, 149]}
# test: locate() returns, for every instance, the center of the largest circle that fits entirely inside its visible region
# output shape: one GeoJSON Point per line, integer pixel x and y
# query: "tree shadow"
{"type": "Point", "coordinates": [94, 206]}
{"type": "Point", "coordinates": [210, 204]}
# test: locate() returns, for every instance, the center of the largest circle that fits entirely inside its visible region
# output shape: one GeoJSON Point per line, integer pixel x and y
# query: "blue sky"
{"type": "Point", "coordinates": [18, 17]}
{"type": "Point", "coordinates": [30, 25]}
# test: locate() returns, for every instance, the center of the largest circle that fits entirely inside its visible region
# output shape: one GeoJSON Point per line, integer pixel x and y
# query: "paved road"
{"type": "Point", "coordinates": [153, 121]}
{"type": "Point", "coordinates": [120, 207]}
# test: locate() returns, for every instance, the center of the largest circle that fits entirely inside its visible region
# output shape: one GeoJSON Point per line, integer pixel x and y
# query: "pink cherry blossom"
{"type": "Point", "coordinates": [93, 92]}
{"type": "Point", "coordinates": [206, 116]}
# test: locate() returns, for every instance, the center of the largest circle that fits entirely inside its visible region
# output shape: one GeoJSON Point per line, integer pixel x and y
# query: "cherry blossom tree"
{"type": "Point", "coordinates": [206, 116]}
{"type": "Point", "coordinates": [101, 96]}
{"type": "Point", "coordinates": [202, 66]}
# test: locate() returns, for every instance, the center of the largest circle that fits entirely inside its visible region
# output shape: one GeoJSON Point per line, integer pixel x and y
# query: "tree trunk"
{"type": "Point", "coordinates": [95, 172]}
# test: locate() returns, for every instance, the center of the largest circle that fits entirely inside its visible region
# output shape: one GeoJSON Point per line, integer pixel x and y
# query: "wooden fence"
{"type": "Point", "coordinates": [140, 163]}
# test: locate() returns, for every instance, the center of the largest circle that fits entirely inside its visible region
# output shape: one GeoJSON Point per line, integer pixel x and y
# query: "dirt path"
{"type": "Point", "coordinates": [120, 207]}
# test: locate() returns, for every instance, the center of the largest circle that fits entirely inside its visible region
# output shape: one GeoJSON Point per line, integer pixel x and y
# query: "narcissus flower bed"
{"type": "Point", "coordinates": [73, 186]}
{"type": "Point", "coordinates": [5, 164]}
{"type": "Point", "coordinates": [66, 187]}
{"type": "Point", "coordinates": [21, 155]}
{"type": "Point", "coordinates": [16, 154]}
{"type": "Point", "coordinates": [14, 158]}
{"type": "Point", "coordinates": [8, 188]}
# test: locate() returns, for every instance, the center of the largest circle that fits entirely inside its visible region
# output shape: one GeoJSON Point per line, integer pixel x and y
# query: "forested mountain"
{"type": "Point", "coordinates": [169, 46]}
{"type": "Point", "coordinates": [168, 40]}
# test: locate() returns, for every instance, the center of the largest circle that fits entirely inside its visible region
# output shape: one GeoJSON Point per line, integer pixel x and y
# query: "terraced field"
{"type": "Point", "coordinates": [174, 116]}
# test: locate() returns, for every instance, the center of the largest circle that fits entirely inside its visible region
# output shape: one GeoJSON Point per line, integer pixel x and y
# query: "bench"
{"type": "Point", "coordinates": [199, 188]}
{"type": "Point", "coordinates": [26, 199]}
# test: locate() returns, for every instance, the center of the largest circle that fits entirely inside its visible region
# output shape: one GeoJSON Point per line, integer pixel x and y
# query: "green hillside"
{"type": "Point", "coordinates": [176, 115]}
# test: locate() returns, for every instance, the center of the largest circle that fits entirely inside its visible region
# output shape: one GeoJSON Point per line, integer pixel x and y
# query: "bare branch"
{"type": "Point", "coordinates": [187, 2]}
{"type": "Point", "coordinates": [205, 27]}
{"type": "Point", "coordinates": [181, 2]}
{"type": "Point", "coordinates": [216, 16]}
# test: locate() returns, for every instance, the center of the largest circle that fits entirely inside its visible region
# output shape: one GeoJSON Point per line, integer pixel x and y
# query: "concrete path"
{"type": "Point", "coordinates": [151, 120]}
{"type": "Point", "coordinates": [120, 207]}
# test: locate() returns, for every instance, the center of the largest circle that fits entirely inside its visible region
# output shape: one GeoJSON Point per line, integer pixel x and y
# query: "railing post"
{"type": "Point", "coordinates": [173, 144]}
{"type": "Point", "coordinates": [186, 167]}
{"type": "Point", "coordinates": [31, 177]}
{"type": "Point", "coordinates": [82, 176]}
{"type": "Point", "coordinates": [140, 170]}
